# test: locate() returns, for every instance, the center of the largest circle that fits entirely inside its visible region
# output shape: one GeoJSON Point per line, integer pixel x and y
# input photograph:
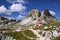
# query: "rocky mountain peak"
{"type": "Point", "coordinates": [47, 13]}
{"type": "Point", "coordinates": [3, 18]}
{"type": "Point", "coordinates": [34, 13]}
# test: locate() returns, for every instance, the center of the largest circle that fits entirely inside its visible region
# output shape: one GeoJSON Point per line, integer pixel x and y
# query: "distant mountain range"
{"type": "Point", "coordinates": [4, 21]}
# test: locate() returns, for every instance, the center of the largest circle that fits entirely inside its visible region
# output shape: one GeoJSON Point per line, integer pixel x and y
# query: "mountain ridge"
{"type": "Point", "coordinates": [44, 17]}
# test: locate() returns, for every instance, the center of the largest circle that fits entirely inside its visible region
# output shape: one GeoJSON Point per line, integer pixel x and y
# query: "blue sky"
{"type": "Point", "coordinates": [18, 9]}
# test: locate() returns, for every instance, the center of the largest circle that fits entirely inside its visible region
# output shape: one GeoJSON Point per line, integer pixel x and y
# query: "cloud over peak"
{"type": "Point", "coordinates": [52, 12]}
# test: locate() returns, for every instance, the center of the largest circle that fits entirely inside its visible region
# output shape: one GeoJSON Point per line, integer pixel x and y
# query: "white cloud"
{"type": "Point", "coordinates": [20, 17]}
{"type": "Point", "coordinates": [2, 9]}
{"type": "Point", "coordinates": [52, 12]}
{"type": "Point", "coordinates": [10, 18]}
{"type": "Point", "coordinates": [15, 1]}
{"type": "Point", "coordinates": [17, 7]}
{"type": "Point", "coordinates": [13, 8]}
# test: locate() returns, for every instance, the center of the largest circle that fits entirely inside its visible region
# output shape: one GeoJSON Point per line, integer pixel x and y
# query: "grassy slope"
{"type": "Point", "coordinates": [20, 36]}
{"type": "Point", "coordinates": [17, 35]}
{"type": "Point", "coordinates": [58, 38]}
{"type": "Point", "coordinates": [29, 33]}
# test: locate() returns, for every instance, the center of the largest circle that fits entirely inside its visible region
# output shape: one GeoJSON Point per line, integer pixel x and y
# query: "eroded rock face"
{"type": "Point", "coordinates": [34, 13]}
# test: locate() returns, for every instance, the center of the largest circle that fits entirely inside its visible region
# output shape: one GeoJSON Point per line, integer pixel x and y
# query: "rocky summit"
{"type": "Point", "coordinates": [47, 17]}
{"type": "Point", "coordinates": [35, 13]}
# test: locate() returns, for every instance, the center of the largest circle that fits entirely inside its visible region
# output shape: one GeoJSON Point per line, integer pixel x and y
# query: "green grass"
{"type": "Point", "coordinates": [17, 35]}
{"type": "Point", "coordinates": [29, 33]}
{"type": "Point", "coordinates": [20, 36]}
{"type": "Point", "coordinates": [41, 28]}
{"type": "Point", "coordinates": [58, 38]}
{"type": "Point", "coordinates": [40, 33]}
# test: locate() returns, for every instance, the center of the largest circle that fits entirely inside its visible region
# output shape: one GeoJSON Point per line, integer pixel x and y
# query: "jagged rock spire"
{"type": "Point", "coordinates": [47, 13]}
